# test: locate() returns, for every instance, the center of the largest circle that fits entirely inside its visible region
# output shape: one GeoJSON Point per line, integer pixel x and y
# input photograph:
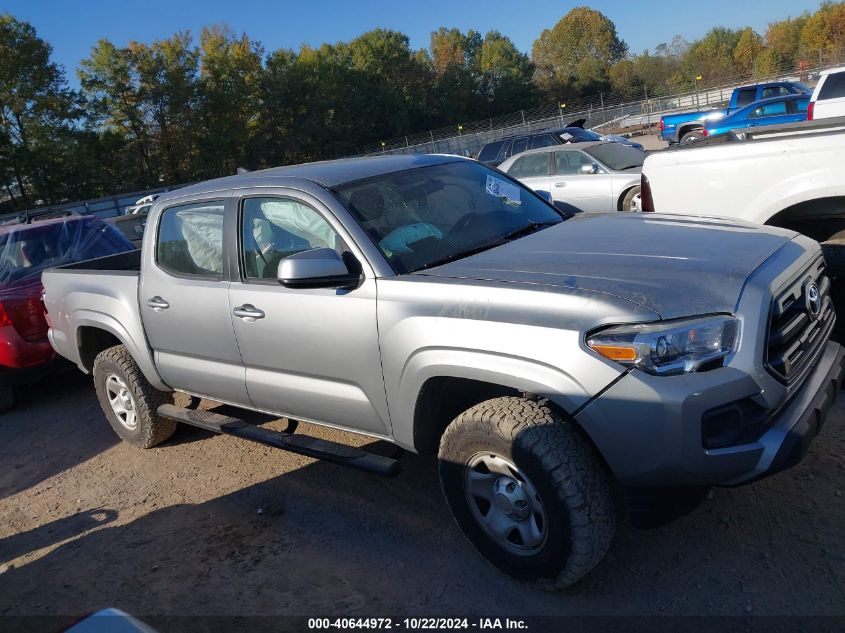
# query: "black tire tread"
{"type": "Point", "coordinates": [153, 429]}
{"type": "Point", "coordinates": [577, 475]}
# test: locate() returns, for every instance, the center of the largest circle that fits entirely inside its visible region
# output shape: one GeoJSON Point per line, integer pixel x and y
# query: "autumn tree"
{"type": "Point", "coordinates": [577, 52]}
{"type": "Point", "coordinates": [747, 50]}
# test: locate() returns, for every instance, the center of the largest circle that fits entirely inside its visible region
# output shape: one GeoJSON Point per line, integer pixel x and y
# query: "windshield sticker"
{"type": "Point", "coordinates": [502, 189]}
{"type": "Point", "coordinates": [566, 136]}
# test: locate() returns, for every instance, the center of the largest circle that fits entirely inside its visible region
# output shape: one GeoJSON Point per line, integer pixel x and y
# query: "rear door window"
{"type": "Point", "coordinates": [833, 86]}
{"type": "Point", "coordinates": [519, 145]}
{"type": "Point", "coordinates": [190, 239]}
{"type": "Point", "coordinates": [531, 166]}
{"type": "Point", "coordinates": [746, 96]}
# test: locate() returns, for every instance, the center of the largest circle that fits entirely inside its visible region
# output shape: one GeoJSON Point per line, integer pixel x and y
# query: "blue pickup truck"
{"type": "Point", "coordinates": [689, 126]}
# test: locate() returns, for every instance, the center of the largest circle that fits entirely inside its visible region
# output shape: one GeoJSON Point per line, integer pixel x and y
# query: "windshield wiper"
{"type": "Point", "coordinates": [531, 227]}
{"type": "Point", "coordinates": [461, 255]}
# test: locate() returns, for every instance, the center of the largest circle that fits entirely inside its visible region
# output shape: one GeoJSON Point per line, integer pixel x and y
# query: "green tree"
{"type": "Point", "coordinates": [37, 112]}
{"type": "Point", "coordinates": [231, 78]}
{"type": "Point", "coordinates": [783, 40]}
{"type": "Point", "coordinates": [506, 75]}
{"type": "Point", "coordinates": [577, 53]}
{"type": "Point", "coordinates": [712, 56]}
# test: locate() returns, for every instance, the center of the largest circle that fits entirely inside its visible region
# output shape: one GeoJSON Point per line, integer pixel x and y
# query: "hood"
{"type": "Point", "coordinates": [673, 265]}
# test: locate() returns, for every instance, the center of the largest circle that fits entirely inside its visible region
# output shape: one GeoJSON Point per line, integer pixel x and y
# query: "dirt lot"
{"type": "Point", "coordinates": [213, 525]}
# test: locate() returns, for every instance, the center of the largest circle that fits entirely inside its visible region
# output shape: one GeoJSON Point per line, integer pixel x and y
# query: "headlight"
{"type": "Point", "coordinates": [668, 347]}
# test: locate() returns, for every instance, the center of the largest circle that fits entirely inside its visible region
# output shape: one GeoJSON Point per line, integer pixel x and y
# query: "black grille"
{"type": "Point", "coordinates": [796, 334]}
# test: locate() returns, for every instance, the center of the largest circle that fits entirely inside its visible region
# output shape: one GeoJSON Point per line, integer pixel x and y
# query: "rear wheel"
{"type": "Point", "coordinates": [692, 135]}
{"type": "Point", "coordinates": [527, 491]}
{"type": "Point", "coordinates": [128, 400]}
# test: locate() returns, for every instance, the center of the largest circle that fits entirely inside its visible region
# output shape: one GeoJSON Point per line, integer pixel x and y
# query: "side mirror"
{"type": "Point", "coordinates": [316, 268]}
{"type": "Point", "coordinates": [592, 168]}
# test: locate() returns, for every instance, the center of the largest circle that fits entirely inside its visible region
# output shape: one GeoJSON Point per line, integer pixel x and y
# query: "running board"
{"type": "Point", "coordinates": [302, 444]}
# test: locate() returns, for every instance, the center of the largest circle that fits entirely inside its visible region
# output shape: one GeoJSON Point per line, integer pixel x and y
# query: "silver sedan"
{"type": "Point", "coordinates": [594, 177]}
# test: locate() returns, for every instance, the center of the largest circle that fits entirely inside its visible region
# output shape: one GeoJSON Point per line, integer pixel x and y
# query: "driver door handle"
{"type": "Point", "coordinates": [560, 184]}
{"type": "Point", "coordinates": [248, 312]}
{"type": "Point", "coordinates": [157, 303]}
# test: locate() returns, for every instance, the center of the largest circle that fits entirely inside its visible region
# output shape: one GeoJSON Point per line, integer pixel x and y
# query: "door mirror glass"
{"type": "Point", "coordinates": [316, 268]}
{"type": "Point", "coordinates": [590, 168]}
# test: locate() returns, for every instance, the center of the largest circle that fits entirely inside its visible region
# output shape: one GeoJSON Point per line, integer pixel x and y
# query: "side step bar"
{"type": "Point", "coordinates": [302, 444]}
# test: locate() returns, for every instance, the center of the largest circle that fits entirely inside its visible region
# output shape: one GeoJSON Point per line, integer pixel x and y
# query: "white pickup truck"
{"type": "Point", "coordinates": [790, 176]}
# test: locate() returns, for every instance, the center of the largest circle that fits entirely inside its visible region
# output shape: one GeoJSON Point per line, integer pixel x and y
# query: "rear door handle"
{"type": "Point", "coordinates": [248, 312]}
{"type": "Point", "coordinates": [157, 303]}
{"type": "Point", "coordinates": [560, 184]}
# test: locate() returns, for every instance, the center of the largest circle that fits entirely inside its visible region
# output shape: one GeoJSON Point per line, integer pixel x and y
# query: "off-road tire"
{"type": "Point", "coordinates": [7, 397]}
{"type": "Point", "coordinates": [692, 135]}
{"type": "Point", "coordinates": [629, 198]}
{"type": "Point", "coordinates": [571, 482]}
{"type": "Point", "coordinates": [151, 429]}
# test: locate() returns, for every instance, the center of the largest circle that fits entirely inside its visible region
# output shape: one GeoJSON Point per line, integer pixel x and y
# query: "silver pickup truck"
{"type": "Point", "coordinates": [438, 304]}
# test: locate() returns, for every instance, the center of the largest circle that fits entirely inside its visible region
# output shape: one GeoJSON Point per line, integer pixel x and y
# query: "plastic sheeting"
{"type": "Point", "coordinates": [26, 250]}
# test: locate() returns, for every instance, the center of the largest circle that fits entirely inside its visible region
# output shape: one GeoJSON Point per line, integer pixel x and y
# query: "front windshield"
{"type": "Point", "coordinates": [426, 216]}
{"type": "Point", "coordinates": [617, 156]}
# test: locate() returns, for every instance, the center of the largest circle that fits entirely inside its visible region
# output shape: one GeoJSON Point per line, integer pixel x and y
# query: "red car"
{"type": "Point", "coordinates": [27, 247]}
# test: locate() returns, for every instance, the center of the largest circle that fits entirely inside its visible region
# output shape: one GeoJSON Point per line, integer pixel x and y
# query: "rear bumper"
{"type": "Point", "coordinates": [649, 428]}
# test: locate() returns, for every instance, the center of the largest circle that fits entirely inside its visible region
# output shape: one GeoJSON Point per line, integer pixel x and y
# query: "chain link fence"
{"type": "Point", "coordinates": [606, 113]}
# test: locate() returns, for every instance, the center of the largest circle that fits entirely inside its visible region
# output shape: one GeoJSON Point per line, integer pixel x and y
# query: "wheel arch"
{"type": "Point", "coordinates": [95, 334]}
{"type": "Point", "coordinates": [818, 218]}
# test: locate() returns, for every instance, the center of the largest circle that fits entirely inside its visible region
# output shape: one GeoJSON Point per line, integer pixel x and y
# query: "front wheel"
{"type": "Point", "coordinates": [527, 491]}
{"type": "Point", "coordinates": [632, 200]}
{"type": "Point", "coordinates": [128, 400]}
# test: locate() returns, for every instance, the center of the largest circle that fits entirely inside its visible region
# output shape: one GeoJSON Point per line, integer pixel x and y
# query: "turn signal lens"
{"type": "Point", "coordinates": [618, 353]}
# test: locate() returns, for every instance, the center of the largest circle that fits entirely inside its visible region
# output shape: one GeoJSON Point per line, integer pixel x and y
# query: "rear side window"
{"type": "Point", "coordinates": [543, 140]}
{"type": "Point", "coordinates": [490, 151]}
{"type": "Point", "coordinates": [800, 105]}
{"type": "Point", "coordinates": [531, 166]}
{"type": "Point", "coordinates": [833, 87]}
{"type": "Point", "coordinates": [190, 239]}
{"type": "Point", "coordinates": [746, 96]}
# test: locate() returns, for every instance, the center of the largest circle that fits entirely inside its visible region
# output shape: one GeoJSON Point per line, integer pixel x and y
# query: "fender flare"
{"type": "Point", "coordinates": [140, 352]}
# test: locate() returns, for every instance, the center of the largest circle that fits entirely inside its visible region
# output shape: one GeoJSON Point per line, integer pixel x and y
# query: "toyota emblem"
{"type": "Point", "coordinates": [813, 300]}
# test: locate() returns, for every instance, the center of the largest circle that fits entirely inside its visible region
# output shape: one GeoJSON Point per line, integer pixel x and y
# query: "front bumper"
{"type": "Point", "coordinates": [649, 428]}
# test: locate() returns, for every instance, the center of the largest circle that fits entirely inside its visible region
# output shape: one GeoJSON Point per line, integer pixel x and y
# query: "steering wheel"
{"type": "Point", "coordinates": [463, 223]}
{"type": "Point", "coordinates": [399, 240]}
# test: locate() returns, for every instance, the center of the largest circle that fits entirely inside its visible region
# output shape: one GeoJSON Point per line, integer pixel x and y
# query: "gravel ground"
{"type": "Point", "coordinates": [207, 524]}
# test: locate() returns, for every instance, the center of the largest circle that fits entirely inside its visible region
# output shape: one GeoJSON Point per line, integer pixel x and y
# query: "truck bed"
{"type": "Point", "coordinates": [121, 263]}
{"type": "Point", "coordinates": [98, 293]}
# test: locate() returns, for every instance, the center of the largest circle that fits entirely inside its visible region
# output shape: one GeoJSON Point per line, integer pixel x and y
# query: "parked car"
{"type": "Point", "coordinates": [26, 249]}
{"type": "Point", "coordinates": [132, 226]}
{"type": "Point", "coordinates": [828, 98]}
{"type": "Point", "coordinates": [496, 152]}
{"type": "Point", "coordinates": [594, 177]}
{"type": "Point", "coordinates": [688, 126]}
{"type": "Point", "coordinates": [775, 111]}
{"type": "Point", "coordinates": [438, 304]}
{"type": "Point", "coordinates": [616, 138]}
